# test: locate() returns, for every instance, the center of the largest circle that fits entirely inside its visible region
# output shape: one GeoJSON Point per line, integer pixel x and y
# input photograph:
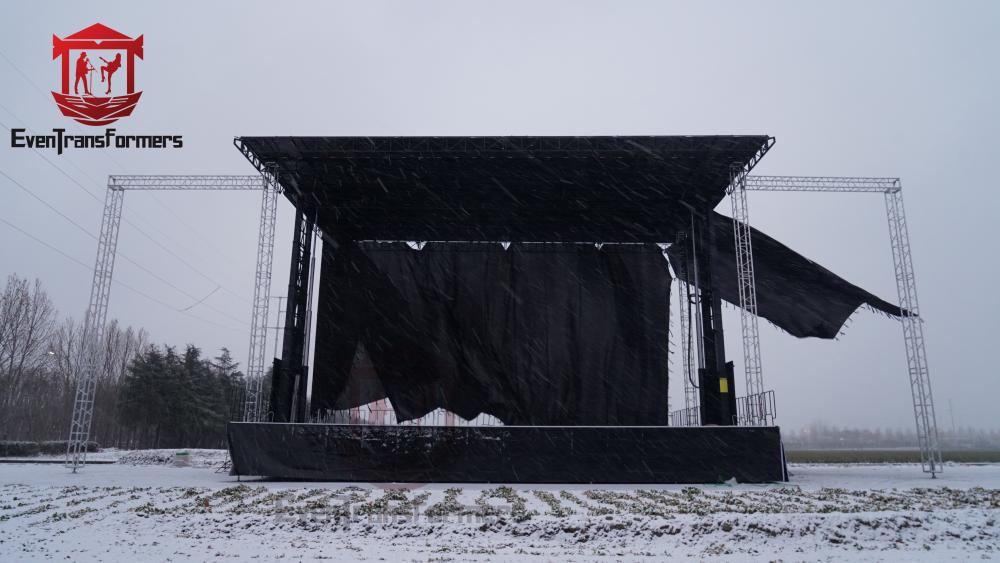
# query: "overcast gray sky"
{"type": "Point", "coordinates": [902, 89]}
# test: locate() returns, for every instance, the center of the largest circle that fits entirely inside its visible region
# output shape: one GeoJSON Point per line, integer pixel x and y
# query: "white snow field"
{"type": "Point", "coordinates": [143, 509]}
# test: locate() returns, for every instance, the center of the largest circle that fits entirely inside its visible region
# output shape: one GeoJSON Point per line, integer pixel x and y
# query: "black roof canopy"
{"type": "Point", "coordinates": [594, 189]}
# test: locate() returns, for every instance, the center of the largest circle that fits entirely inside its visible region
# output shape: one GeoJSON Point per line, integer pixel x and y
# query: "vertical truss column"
{"type": "Point", "coordinates": [252, 411]}
{"type": "Point", "coordinates": [913, 334]}
{"type": "Point", "coordinates": [93, 331]}
{"type": "Point", "coordinates": [756, 408]}
{"type": "Point", "coordinates": [689, 368]}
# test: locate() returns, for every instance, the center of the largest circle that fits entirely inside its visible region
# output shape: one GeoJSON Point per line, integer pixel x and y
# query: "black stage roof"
{"type": "Point", "coordinates": [594, 189]}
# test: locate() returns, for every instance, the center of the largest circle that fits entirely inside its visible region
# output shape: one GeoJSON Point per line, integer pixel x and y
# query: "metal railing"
{"type": "Point", "coordinates": [685, 417]}
{"type": "Point", "coordinates": [755, 410]}
{"type": "Point", "coordinates": [752, 410]}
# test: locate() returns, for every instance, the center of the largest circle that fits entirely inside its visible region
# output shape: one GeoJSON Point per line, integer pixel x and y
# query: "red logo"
{"type": "Point", "coordinates": [91, 54]}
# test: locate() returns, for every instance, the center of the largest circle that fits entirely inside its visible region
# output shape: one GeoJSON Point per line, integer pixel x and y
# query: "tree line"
{"type": "Point", "coordinates": [146, 396]}
{"type": "Point", "coordinates": [823, 437]}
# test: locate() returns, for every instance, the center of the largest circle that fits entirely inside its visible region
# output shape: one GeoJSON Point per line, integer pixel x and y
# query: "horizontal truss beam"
{"type": "Point", "coordinates": [203, 182]}
{"type": "Point", "coordinates": [822, 184]}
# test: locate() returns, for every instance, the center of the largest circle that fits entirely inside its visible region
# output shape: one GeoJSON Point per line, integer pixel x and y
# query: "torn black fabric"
{"type": "Point", "coordinates": [538, 334]}
{"type": "Point", "coordinates": [793, 292]}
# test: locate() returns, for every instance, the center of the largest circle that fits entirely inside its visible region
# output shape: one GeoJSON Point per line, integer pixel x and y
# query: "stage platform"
{"type": "Point", "coordinates": [506, 454]}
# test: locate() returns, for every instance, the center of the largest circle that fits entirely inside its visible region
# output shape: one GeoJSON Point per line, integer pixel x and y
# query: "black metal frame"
{"type": "Point", "coordinates": [716, 383]}
{"type": "Point", "coordinates": [289, 384]}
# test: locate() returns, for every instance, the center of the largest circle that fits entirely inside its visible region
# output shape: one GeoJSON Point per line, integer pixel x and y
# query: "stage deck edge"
{"type": "Point", "coordinates": [507, 454]}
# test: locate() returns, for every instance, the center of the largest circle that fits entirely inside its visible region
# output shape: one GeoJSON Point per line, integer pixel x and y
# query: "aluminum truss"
{"type": "Point", "coordinates": [689, 364]}
{"type": "Point", "coordinates": [93, 331]}
{"type": "Point", "coordinates": [821, 184]}
{"type": "Point", "coordinates": [100, 291]}
{"type": "Point", "coordinates": [913, 332]}
{"type": "Point", "coordinates": [757, 411]}
{"type": "Point", "coordinates": [261, 296]}
{"type": "Point", "coordinates": [175, 183]}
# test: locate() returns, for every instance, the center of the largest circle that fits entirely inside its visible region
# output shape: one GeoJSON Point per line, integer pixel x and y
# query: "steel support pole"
{"type": "Point", "coordinates": [689, 367]}
{"type": "Point", "coordinates": [913, 335]}
{"type": "Point", "coordinates": [690, 357]}
{"type": "Point", "coordinates": [716, 385]}
{"type": "Point", "coordinates": [746, 282]}
{"type": "Point", "coordinates": [93, 331]}
{"type": "Point", "coordinates": [289, 385]}
{"type": "Point", "coordinates": [307, 348]}
{"type": "Point", "coordinates": [252, 409]}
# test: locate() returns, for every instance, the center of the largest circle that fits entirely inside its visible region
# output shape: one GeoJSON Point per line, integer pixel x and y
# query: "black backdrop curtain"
{"type": "Point", "coordinates": [537, 334]}
{"type": "Point", "coordinates": [793, 292]}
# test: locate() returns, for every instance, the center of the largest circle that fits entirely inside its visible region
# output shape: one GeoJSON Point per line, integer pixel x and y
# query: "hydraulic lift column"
{"type": "Point", "coordinates": [716, 386]}
{"type": "Point", "coordinates": [288, 386]}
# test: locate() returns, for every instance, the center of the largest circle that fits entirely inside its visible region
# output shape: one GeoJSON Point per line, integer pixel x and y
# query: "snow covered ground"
{"type": "Point", "coordinates": [145, 509]}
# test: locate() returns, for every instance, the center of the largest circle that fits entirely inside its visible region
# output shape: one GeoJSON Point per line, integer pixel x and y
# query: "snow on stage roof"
{"type": "Point", "coordinates": [594, 189]}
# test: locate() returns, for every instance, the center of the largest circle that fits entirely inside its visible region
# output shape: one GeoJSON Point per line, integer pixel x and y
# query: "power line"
{"type": "Point", "coordinates": [151, 196]}
{"type": "Point", "coordinates": [105, 154]}
{"type": "Point", "coordinates": [202, 300]}
{"type": "Point", "coordinates": [46, 204]}
{"type": "Point", "coordinates": [65, 157]}
{"type": "Point", "coordinates": [182, 260]}
{"type": "Point", "coordinates": [19, 71]}
{"type": "Point", "coordinates": [139, 229]}
{"type": "Point", "coordinates": [207, 240]}
{"type": "Point", "coordinates": [119, 282]}
{"type": "Point", "coordinates": [124, 256]}
{"type": "Point", "coordinates": [155, 199]}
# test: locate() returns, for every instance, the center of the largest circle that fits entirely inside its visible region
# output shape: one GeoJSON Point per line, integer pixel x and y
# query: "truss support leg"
{"type": "Point", "coordinates": [913, 334]}
{"type": "Point", "coordinates": [253, 406]}
{"type": "Point", "coordinates": [289, 387]}
{"type": "Point", "coordinates": [688, 341]}
{"type": "Point", "coordinates": [302, 395]}
{"type": "Point", "coordinates": [756, 413]}
{"type": "Point", "coordinates": [689, 366]}
{"type": "Point", "coordinates": [716, 386]}
{"type": "Point", "coordinates": [686, 359]}
{"type": "Point", "coordinates": [93, 330]}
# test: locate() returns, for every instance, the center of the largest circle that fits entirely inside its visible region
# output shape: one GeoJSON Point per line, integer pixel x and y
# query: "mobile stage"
{"type": "Point", "coordinates": [527, 281]}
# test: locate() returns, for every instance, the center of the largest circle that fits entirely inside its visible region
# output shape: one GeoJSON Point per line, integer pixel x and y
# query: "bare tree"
{"type": "Point", "coordinates": [26, 325]}
{"type": "Point", "coordinates": [41, 359]}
